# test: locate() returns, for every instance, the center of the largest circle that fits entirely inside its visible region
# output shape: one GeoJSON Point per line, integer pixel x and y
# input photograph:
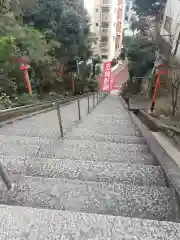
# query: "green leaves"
{"type": "Point", "coordinates": [149, 7]}
{"type": "Point", "coordinates": [50, 33]}
{"type": "Point", "coordinates": [6, 46]}
{"type": "Point", "coordinates": [141, 56]}
{"type": "Point", "coordinates": [64, 21]}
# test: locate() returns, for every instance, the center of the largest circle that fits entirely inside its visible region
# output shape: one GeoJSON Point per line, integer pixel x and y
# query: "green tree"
{"type": "Point", "coordinates": [27, 41]}
{"type": "Point", "coordinates": [65, 22]}
{"type": "Point", "coordinates": [49, 33]}
{"type": "Point", "coordinates": [141, 56]}
{"type": "Point", "coordinates": [127, 41]}
{"type": "Point", "coordinates": [149, 7]}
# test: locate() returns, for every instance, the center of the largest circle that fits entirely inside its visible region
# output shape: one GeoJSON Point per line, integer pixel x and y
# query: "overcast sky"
{"type": "Point", "coordinates": [88, 4]}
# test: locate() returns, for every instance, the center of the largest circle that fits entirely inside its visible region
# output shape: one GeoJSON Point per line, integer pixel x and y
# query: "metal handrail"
{"type": "Point", "coordinates": [3, 173]}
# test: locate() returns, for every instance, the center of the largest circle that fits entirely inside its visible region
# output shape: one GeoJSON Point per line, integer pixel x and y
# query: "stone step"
{"type": "Point", "coordinates": [32, 149]}
{"type": "Point", "coordinates": [113, 130]}
{"type": "Point", "coordinates": [86, 170]}
{"type": "Point", "coordinates": [87, 134]}
{"type": "Point", "coordinates": [54, 133]}
{"type": "Point", "coordinates": [94, 125]}
{"type": "Point", "coordinates": [24, 140]}
{"type": "Point", "coordinates": [19, 150]}
{"type": "Point", "coordinates": [100, 151]}
{"type": "Point", "coordinates": [107, 122]}
{"type": "Point", "coordinates": [46, 151]}
{"type": "Point", "coordinates": [118, 114]}
{"type": "Point", "coordinates": [108, 115]}
{"type": "Point", "coordinates": [115, 148]}
{"type": "Point", "coordinates": [34, 224]}
{"type": "Point", "coordinates": [155, 203]}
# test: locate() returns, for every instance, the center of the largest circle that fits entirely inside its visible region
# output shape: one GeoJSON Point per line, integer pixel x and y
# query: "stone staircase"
{"type": "Point", "coordinates": [100, 182]}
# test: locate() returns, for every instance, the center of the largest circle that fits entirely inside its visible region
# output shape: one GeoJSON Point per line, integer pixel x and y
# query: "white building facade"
{"type": "Point", "coordinates": [170, 28]}
{"type": "Point", "coordinates": [104, 20]}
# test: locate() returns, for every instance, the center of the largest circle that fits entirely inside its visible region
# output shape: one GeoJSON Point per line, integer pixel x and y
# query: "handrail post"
{"type": "Point", "coordinates": [88, 105]}
{"type": "Point", "coordinates": [6, 179]}
{"type": "Point", "coordinates": [79, 110]}
{"type": "Point", "coordinates": [59, 119]}
{"type": "Point", "coordinates": [94, 100]}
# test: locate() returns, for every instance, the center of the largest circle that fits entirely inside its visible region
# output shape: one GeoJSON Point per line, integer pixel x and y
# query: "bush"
{"type": "Point", "coordinates": [26, 99]}
{"type": "Point", "coordinates": [93, 85]}
{"type": "Point", "coordinates": [114, 62]}
{"type": "Point", "coordinates": [131, 88]}
{"type": "Point", "coordinates": [5, 101]}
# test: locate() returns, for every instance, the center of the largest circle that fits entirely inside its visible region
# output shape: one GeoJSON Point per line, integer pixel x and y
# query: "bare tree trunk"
{"type": "Point", "coordinates": [175, 92]}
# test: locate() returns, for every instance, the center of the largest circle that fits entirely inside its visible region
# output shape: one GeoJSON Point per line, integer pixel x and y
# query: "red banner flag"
{"type": "Point", "coordinates": [107, 80]}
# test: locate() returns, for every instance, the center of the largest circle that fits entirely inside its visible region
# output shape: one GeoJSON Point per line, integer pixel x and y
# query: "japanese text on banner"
{"type": "Point", "coordinates": [107, 76]}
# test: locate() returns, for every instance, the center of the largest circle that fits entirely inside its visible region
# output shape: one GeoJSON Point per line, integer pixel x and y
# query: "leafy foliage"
{"type": "Point", "coordinates": [127, 41]}
{"type": "Point", "coordinates": [141, 55]}
{"type": "Point", "coordinates": [149, 7]}
{"type": "Point", "coordinates": [49, 34]}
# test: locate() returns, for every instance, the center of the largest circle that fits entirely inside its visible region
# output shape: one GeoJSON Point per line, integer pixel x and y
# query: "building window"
{"type": "Point", "coordinates": [106, 2]}
{"type": "Point", "coordinates": [167, 24]}
{"type": "Point", "coordinates": [97, 9]}
{"type": "Point", "coordinates": [104, 40]}
{"type": "Point", "coordinates": [97, 24]}
{"type": "Point", "coordinates": [105, 9]}
{"type": "Point", "coordinates": [104, 56]}
{"type": "Point", "coordinates": [104, 25]}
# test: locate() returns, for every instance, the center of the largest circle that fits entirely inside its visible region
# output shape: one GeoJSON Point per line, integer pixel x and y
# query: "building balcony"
{"type": "Point", "coordinates": [104, 32]}
{"type": "Point", "coordinates": [104, 50]}
{"type": "Point", "coordinates": [103, 45]}
{"type": "Point", "coordinates": [105, 17]}
{"type": "Point", "coordinates": [105, 3]}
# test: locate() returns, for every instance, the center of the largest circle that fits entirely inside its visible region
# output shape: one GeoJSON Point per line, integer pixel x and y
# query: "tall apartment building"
{"type": "Point", "coordinates": [119, 26]}
{"type": "Point", "coordinates": [105, 19]}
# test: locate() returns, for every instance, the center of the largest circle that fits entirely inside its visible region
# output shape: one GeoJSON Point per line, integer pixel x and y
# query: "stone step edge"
{"type": "Point", "coordinates": [39, 159]}
{"type": "Point", "coordinates": [59, 159]}
{"type": "Point", "coordinates": [101, 185]}
{"type": "Point", "coordinates": [133, 227]}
